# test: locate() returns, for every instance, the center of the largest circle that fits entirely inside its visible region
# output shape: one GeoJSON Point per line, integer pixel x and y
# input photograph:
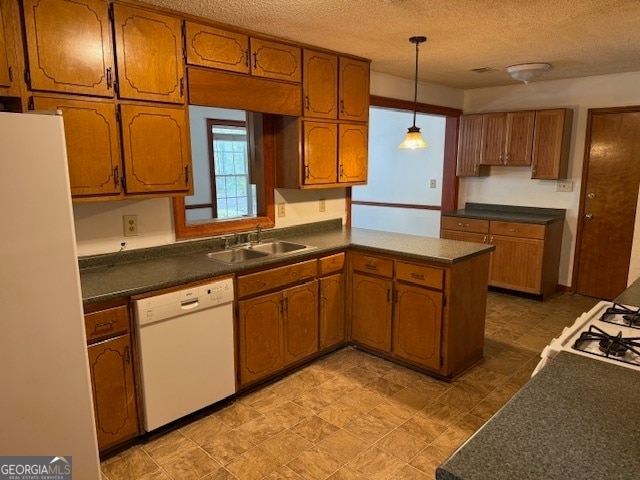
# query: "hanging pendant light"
{"type": "Point", "coordinates": [414, 138]}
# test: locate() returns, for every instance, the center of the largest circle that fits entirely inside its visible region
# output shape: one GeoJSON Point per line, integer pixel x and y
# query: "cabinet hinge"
{"type": "Point", "coordinates": [111, 12]}
{"type": "Point", "coordinates": [30, 105]}
{"type": "Point", "coordinates": [123, 182]}
{"type": "Point", "coordinates": [116, 87]}
{"type": "Point", "coordinates": [27, 77]}
{"type": "Point", "coordinates": [395, 296]}
{"type": "Point", "coordinates": [11, 74]}
{"type": "Point", "coordinates": [118, 115]}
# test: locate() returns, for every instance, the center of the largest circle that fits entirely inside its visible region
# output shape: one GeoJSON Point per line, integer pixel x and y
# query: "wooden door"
{"type": "Point", "coordinates": [69, 46]}
{"type": "Point", "coordinates": [114, 397]}
{"type": "Point", "coordinates": [155, 143]}
{"type": "Point", "coordinates": [494, 132]}
{"type": "Point", "coordinates": [353, 89]}
{"type": "Point", "coordinates": [519, 138]}
{"type": "Point", "coordinates": [371, 311]}
{"type": "Point", "coordinates": [93, 144]}
{"type": "Point", "coordinates": [320, 84]}
{"type": "Point", "coordinates": [275, 60]}
{"type": "Point", "coordinates": [353, 144]}
{"type": "Point", "coordinates": [320, 141]}
{"type": "Point", "coordinates": [516, 263]}
{"type": "Point", "coordinates": [551, 137]}
{"type": "Point", "coordinates": [216, 48]}
{"type": "Point", "coordinates": [417, 322]}
{"type": "Point", "coordinates": [149, 53]}
{"type": "Point", "coordinates": [469, 145]}
{"type": "Point", "coordinates": [332, 318]}
{"type": "Point", "coordinates": [260, 333]}
{"type": "Point", "coordinates": [611, 178]}
{"type": "Point", "coordinates": [300, 321]}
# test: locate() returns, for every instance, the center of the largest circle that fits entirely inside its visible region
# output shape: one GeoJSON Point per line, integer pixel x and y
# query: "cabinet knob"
{"type": "Point", "coordinates": [484, 240]}
{"type": "Point", "coordinates": [588, 216]}
{"type": "Point", "coordinates": [591, 195]}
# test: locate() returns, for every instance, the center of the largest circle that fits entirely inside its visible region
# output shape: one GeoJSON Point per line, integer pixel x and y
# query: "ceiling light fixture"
{"type": "Point", "coordinates": [525, 72]}
{"type": "Point", "coordinates": [414, 139]}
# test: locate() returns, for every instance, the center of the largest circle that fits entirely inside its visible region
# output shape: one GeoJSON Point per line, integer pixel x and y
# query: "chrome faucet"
{"type": "Point", "coordinates": [259, 233]}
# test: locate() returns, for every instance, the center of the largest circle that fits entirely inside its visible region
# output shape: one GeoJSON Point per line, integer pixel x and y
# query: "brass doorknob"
{"type": "Point", "coordinates": [591, 195]}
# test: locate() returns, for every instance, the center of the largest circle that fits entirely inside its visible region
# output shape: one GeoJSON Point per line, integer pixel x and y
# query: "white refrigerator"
{"type": "Point", "coordinates": [46, 405]}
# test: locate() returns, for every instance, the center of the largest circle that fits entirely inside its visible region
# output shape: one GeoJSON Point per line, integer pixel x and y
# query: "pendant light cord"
{"type": "Point", "coordinates": [415, 88]}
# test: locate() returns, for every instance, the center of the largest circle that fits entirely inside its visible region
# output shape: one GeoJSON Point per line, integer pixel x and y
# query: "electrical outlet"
{"type": "Point", "coordinates": [432, 183]}
{"type": "Point", "coordinates": [281, 211]}
{"type": "Point", "coordinates": [322, 206]}
{"type": "Point", "coordinates": [564, 186]}
{"type": "Point", "coordinates": [130, 225]}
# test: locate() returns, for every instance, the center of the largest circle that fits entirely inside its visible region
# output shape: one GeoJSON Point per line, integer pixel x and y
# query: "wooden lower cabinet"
{"type": "Point", "coordinates": [300, 318]}
{"type": "Point", "coordinates": [371, 311]}
{"type": "Point", "coordinates": [112, 376]}
{"type": "Point", "coordinates": [417, 323]}
{"type": "Point", "coordinates": [332, 317]}
{"type": "Point", "coordinates": [517, 263]}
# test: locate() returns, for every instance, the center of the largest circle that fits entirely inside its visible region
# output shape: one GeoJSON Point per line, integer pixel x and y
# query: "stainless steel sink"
{"type": "Point", "coordinates": [277, 247]}
{"type": "Point", "coordinates": [236, 255]}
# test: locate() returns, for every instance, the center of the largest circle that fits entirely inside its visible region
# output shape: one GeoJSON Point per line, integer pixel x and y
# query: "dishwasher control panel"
{"type": "Point", "coordinates": [173, 304]}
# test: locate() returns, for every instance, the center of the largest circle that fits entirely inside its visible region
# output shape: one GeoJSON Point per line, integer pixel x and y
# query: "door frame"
{"type": "Point", "coordinates": [583, 191]}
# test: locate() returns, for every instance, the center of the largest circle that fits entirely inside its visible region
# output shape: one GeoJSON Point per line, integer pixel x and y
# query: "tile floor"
{"type": "Point", "coordinates": [351, 415]}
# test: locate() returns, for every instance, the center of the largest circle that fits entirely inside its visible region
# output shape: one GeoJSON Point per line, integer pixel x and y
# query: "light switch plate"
{"type": "Point", "coordinates": [281, 210]}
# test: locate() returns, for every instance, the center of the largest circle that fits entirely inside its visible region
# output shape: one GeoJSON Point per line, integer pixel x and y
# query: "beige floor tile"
{"type": "Point", "coordinates": [317, 399]}
{"type": "Point", "coordinates": [205, 430]}
{"type": "Point", "coordinates": [168, 448]}
{"type": "Point", "coordinates": [263, 399]}
{"type": "Point", "coordinates": [411, 398]}
{"type": "Point", "coordinates": [442, 413]}
{"type": "Point", "coordinates": [237, 414]}
{"type": "Point", "coordinates": [132, 463]}
{"type": "Point", "coordinates": [364, 399]}
{"type": "Point", "coordinates": [260, 429]}
{"type": "Point", "coordinates": [376, 464]}
{"type": "Point", "coordinates": [285, 446]}
{"type": "Point", "coordinates": [314, 464]}
{"type": "Point", "coordinates": [283, 473]}
{"type": "Point", "coordinates": [314, 429]}
{"type": "Point", "coordinates": [290, 387]}
{"type": "Point", "coordinates": [384, 387]}
{"type": "Point", "coordinates": [430, 458]}
{"type": "Point", "coordinates": [424, 428]}
{"type": "Point", "coordinates": [340, 413]}
{"type": "Point", "coordinates": [369, 428]}
{"type": "Point", "coordinates": [410, 473]}
{"type": "Point", "coordinates": [228, 447]}
{"type": "Point", "coordinates": [288, 414]}
{"type": "Point", "coordinates": [401, 445]}
{"type": "Point", "coordinates": [346, 473]}
{"type": "Point", "coordinates": [393, 412]}
{"type": "Point", "coordinates": [495, 400]}
{"type": "Point", "coordinates": [462, 396]}
{"type": "Point", "coordinates": [192, 465]}
{"type": "Point", "coordinates": [221, 474]}
{"type": "Point", "coordinates": [342, 445]}
{"type": "Point", "coordinates": [253, 465]}
{"type": "Point", "coordinates": [315, 376]}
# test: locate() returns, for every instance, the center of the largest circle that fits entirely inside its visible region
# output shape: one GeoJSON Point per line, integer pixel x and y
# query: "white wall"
{"type": "Point", "coordinates": [512, 185]}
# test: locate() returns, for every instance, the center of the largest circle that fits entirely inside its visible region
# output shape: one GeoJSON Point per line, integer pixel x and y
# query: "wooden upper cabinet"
{"type": "Point", "coordinates": [275, 60]}
{"type": "Point", "coordinates": [320, 143]}
{"type": "Point", "coordinates": [320, 84]}
{"type": "Point", "coordinates": [93, 146]}
{"type": "Point", "coordinates": [519, 140]}
{"type": "Point", "coordinates": [155, 142]}
{"type": "Point", "coordinates": [69, 46]}
{"type": "Point", "coordinates": [216, 48]}
{"type": "Point", "coordinates": [551, 142]}
{"type": "Point", "coordinates": [494, 132]}
{"type": "Point", "coordinates": [149, 53]}
{"type": "Point", "coordinates": [352, 153]}
{"type": "Point", "coordinates": [470, 146]}
{"type": "Point", "coordinates": [353, 88]}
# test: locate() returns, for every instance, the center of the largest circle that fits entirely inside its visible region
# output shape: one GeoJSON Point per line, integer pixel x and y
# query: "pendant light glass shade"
{"type": "Point", "coordinates": [413, 138]}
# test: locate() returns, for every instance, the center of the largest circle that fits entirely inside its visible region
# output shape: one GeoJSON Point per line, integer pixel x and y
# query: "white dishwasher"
{"type": "Point", "coordinates": [186, 351]}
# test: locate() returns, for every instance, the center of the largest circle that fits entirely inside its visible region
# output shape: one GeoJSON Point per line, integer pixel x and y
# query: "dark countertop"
{"type": "Point", "coordinates": [631, 296]}
{"type": "Point", "coordinates": [509, 213]}
{"type": "Point", "coordinates": [112, 276]}
{"type": "Point", "coordinates": [578, 418]}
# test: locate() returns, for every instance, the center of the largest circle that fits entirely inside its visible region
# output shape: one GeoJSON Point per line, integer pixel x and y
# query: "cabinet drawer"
{"type": "Point", "coordinates": [420, 274]}
{"type": "Point", "coordinates": [370, 264]}
{"type": "Point", "coordinates": [332, 263]}
{"type": "Point", "coordinates": [106, 323]}
{"type": "Point", "coordinates": [276, 277]}
{"type": "Point", "coordinates": [465, 224]}
{"type": "Point", "coordinates": [526, 230]}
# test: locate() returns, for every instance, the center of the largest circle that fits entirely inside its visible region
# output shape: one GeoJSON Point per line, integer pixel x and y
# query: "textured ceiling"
{"type": "Point", "coordinates": [578, 37]}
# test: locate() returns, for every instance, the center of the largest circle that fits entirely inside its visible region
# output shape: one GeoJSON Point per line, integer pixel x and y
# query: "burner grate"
{"type": "Point", "coordinates": [615, 347]}
{"type": "Point", "coordinates": [621, 315]}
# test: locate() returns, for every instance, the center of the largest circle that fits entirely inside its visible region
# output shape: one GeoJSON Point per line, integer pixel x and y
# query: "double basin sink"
{"type": "Point", "coordinates": [259, 250]}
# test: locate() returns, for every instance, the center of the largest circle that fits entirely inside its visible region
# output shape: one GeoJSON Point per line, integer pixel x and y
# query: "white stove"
{"type": "Point", "coordinates": [609, 332]}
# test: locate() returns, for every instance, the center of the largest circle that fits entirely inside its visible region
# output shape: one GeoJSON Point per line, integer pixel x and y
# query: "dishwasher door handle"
{"type": "Point", "coordinates": [189, 304]}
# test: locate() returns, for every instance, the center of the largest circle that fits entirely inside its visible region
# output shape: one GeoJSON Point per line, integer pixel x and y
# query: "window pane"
{"type": "Point", "coordinates": [221, 189]}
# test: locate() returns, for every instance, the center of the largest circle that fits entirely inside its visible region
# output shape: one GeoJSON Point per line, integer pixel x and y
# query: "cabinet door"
{"type": "Point", "coordinates": [114, 397]}
{"type": "Point", "coordinates": [550, 144]}
{"type": "Point", "coordinates": [216, 48]}
{"type": "Point", "coordinates": [469, 145]}
{"type": "Point", "coordinates": [93, 145]}
{"type": "Point", "coordinates": [300, 321]}
{"type": "Point", "coordinates": [275, 60]}
{"type": "Point", "coordinates": [516, 263]}
{"type": "Point", "coordinates": [320, 143]}
{"type": "Point", "coordinates": [494, 132]}
{"type": "Point", "coordinates": [519, 138]}
{"type": "Point", "coordinates": [353, 142]}
{"type": "Point", "coordinates": [8, 49]}
{"type": "Point", "coordinates": [353, 87]}
{"type": "Point", "coordinates": [149, 53]}
{"type": "Point", "coordinates": [320, 84]}
{"type": "Point", "coordinates": [332, 318]}
{"type": "Point", "coordinates": [260, 333]}
{"type": "Point", "coordinates": [155, 143]}
{"type": "Point", "coordinates": [69, 46]}
{"type": "Point", "coordinates": [371, 311]}
{"type": "Point", "coordinates": [417, 323]}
